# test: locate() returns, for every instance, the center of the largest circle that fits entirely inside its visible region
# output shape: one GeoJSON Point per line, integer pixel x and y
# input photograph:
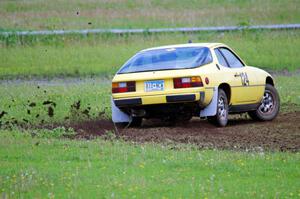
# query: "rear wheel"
{"type": "Point", "coordinates": [269, 107]}
{"type": "Point", "coordinates": [221, 117]}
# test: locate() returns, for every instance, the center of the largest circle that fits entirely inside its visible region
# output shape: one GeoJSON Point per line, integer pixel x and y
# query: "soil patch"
{"type": "Point", "coordinates": [281, 134]}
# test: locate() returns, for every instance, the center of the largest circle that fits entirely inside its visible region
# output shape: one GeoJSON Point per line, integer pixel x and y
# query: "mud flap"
{"type": "Point", "coordinates": [118, 116]}
{"type": "Point", "coordinates": [211, 109]}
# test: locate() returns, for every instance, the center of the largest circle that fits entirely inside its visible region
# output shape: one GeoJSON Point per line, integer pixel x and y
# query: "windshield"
{"type": "Point", "coordinates": [167, 59]}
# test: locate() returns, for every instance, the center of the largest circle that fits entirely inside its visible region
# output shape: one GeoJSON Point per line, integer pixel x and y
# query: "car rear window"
{"type": "Point", "coordinates": [167, 59]}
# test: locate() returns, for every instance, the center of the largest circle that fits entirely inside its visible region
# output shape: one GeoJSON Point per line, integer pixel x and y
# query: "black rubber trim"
{"type": "Point", "coordinates": [256, 85]}
{"type": "Point", "coordinates": [128, 102]}
{"type": "Point", "coordinates": [181, 98]}
{"type": "Point", "coordinates": [243, 108]}
{"type": "Point", "coordinates": [202, 96]}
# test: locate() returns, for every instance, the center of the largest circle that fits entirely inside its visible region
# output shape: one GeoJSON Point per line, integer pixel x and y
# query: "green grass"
{"type": "Point", "coordinates": [289, 91]}
{"type": "Point", "coordinates": [104, 54]}
{"type": "Point", "coordinates": [16, 98]}
{"type": "Point", "coordinates": [32, 167]}
{"type": "Point", "coordinates": [62, 14]}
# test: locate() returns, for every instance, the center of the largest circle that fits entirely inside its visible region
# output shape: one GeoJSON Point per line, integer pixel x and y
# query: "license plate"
{"type": "Point", "coordinates": [157, 85]}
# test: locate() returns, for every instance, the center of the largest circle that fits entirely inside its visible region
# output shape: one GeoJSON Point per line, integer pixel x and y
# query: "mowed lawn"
{"type": "Point", "coordinates": [76, 14]}
{"type": "Point", "coordinates": [33, 167]}
{"type": "Point", "coordinates": [101, 55]}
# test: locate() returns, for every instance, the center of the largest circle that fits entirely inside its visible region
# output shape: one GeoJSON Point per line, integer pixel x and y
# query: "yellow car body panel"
{"type": "Point", "coordinates": [249, 92]}
{"type": "Point", "coordinates": [155, 97]}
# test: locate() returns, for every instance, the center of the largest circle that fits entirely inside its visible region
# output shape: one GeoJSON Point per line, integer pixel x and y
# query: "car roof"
{"type": "Point", "coordinates": [209, 45]}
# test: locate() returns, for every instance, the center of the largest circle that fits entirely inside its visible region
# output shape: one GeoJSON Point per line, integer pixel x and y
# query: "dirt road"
{"type": "Point", "coordinates": [282, 134]}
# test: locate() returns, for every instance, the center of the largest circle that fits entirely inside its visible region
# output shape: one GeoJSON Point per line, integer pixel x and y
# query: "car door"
{"type": "Point", "coordinates": [238, 77]}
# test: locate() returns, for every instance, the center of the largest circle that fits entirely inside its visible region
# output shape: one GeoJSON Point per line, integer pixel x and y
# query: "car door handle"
{"type": "Point", "coordinates": [237, 75]}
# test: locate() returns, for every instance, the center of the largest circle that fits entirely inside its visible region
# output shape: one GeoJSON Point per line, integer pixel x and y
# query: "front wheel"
{"type": "Point", "coordinates": [269, 107]}
{"type": "Point", "coordinates": [221, 117]}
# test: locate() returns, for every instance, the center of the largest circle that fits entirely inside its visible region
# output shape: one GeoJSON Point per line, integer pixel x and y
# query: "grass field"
{"type": "Point", "coordinates": [100, 55]}
{"type": "Point", "coordinates": [64, 14]}
{"type": "Point", "coordinates": [32, 167]}
{"type": "Point", "coordinates": [25, 101]}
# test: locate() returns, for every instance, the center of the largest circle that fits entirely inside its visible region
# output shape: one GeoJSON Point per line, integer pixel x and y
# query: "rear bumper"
{"type": "Point", "coordinates": [181, 98]}
{"type": "Point", "coordinates": [159, 99]}
{"type": "Point", "coordinates": [128, 102]}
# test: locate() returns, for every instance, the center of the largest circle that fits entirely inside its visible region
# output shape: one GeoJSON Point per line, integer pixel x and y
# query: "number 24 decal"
{"type": "Point", "coordinates": [244, 79]}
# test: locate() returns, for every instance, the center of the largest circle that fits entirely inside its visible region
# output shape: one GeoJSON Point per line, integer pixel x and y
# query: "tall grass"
{"type": "Point", "coordinates": [51, 56]}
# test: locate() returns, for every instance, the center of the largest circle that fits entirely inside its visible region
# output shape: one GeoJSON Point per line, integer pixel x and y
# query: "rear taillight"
{"type": "Point", "coordinates": [187, 82]}
{"type": "Point", "coordinates": [122, 87]}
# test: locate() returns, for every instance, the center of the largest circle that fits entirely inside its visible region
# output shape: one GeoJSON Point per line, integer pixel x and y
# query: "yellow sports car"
{"type": "Point", "coordinates": [177, 82]}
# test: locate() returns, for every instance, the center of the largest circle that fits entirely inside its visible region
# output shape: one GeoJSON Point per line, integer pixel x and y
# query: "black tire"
{"type": "Point", "coordinates": [221, 118]}
{"type": "Point", "coordinates": [136, 122]}
{"type": "Point", "coordinates": [269, 107]}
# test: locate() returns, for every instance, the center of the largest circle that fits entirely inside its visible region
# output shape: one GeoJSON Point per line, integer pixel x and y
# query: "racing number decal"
{"type": "Point", "coordinates": [244, 79]}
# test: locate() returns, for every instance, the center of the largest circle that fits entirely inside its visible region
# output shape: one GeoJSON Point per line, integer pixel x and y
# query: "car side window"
{"type": "Point", "coordinates": [220, 58]}
{"type": "Point", "coordinates": [233, 61]}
